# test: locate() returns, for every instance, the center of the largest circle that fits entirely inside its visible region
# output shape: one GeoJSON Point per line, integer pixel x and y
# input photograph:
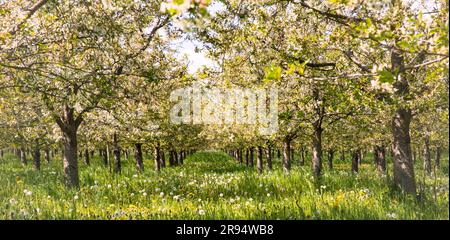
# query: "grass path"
{"type": "Point", "coordinates": [211, 185]}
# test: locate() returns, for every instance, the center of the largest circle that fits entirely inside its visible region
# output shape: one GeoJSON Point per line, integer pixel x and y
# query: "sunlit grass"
{"type": "Point", "coordinates": [211, 185]}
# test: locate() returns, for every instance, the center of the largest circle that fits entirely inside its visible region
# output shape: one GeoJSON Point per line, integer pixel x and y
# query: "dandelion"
{"type": "Point", "coordinates": [201, 212]}
{"type": "Point", "coordinates": [157, 190]}
{"type": "Point", "coordinates": [161, 194]}
{"type": "Point", "coordinates": [176, 198]}
{"type": "Point", "coordinates": [323, 187]}
{"type": "Point", "coordinates": [268, 194]}
{"type": "Point", "coordinates": [391, 215]}
{"type": "Point", "coordinates": [144, 194]}
{"type": "Point", "coordinates": [132, 194]}
{"type": "Point", "coordinates": [221, 195]}
{"type": "Point", "coordinates": [27, 193]}
{"type": "Point", "coordinates": [23, 212]}
{"type": "Point", "coordinates": [75, 197]}
{"type": "Point", "coordinates": [12, 201]}
{"type": "Point", "coordinates": [109, 186]}
{"type": "Point", "coordinates": [232, 200]}
{"type": "Point", "coordinates": [199, 200]}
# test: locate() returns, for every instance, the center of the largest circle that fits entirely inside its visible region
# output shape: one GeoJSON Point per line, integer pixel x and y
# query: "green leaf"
{"type": "Point", "coordinates": [386, 77]}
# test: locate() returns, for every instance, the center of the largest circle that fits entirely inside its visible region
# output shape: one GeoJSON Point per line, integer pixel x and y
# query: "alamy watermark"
{"type": "Point", "coordinates": [200, 104]}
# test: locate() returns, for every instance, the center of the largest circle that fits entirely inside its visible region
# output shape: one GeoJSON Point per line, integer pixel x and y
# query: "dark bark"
{"type": "Point", "coordinates": [157, 158]}
{"type": "Point", "coordinates": [239, 153]}
{"type": "Point", "coordinates": [176, 157]}
{"type": "Point", "coordinates": [302, 157]}
{"type": "Point", "coordinates": [286, 154]}
{"type": "Point", "coordinates": [37, 156]}
{"type": "Point", "coordinates": [247, 157]}
{"type": "Point", "coordinates": [330, 159]}
{"type": "Point", "coordinates": [70, 159]}
{"type": "Point", "coordinates": [252, 156]}
{"type": "Point", "coordinates": [181, 157]}
{"type": "Point", "coordinates": [105, 156]}
{"type": "Point", "coordinates": [404, 176]}
{"type": "Point", "coordinates": [278, 153]}
{"type": "Point", "coordinates": [172, 159]}
{"type": "Point", "coordinates": [380, 158]}
{"type": "Point", "coordinates": [138, 157]}
{"type": "Point", "coordinates": [355, 160]}
{"type": "Point", "coordinates": [86, 157]}
{"type": "Point", "coordinates": [317, 152]}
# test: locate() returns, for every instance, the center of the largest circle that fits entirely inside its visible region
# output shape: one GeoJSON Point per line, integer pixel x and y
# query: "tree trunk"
{"type": "Point", "coordinates": [47, 154]}
{"type": "Point", "coordinates": [70, 158]}
{"type": "Point", "coordinates": [380, 158]}
{"type": "Point", "coordinates": [86, 157]}
{"type": "Point", "coordinates": [138, 157]}
{"type": "Point", "coordinates": [361, 156]}
{"type": "Point", "coordinates": [401, 146]}
{"type": "Point", "coordinates": [181, 157]}
{"type": "Point", "coordinates": [252, 156]}
{"type": "Point", "coordinates": [172, 159]}
{"type": "Point", "coordinates": [286, 155]}
{"type": "Point", "coordinates": [342, 156]}
{"type": "Point", "coordinates": [157, 158]}
{"type": "Point", "coordinates": [247, 157]}
{"type": "Point", "coordinates": [37, 156]}
{"type": "Point", "coordinates": [23, 156]}
{"type": "Point", "coordinates": [317, 152]}
{"type": "Point", "coordinates": [355, 160]}
{"type": "Point", "coordinates": [259, 160]}
{"type": "Point", "coordinates": [105, 156]}
{"type": "Point", "coordinates": [427, 156]}
{"type": "Point", "coordinates": [302, 157]}
{"type": "Point", "coordinates": [117, 162]}
{"type": "Point", "coordinates": [278, 153]}
{"type": "Point", "coordinates": [330, 159]}
{"type": "Point", "coordinates": [240, 156]}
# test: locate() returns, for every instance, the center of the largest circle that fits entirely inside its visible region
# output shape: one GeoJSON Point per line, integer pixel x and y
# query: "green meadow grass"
{"type": "Point", "coordinates": [211, 185]}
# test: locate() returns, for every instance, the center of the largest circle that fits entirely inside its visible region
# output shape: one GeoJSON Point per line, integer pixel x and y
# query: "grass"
{"type": "Point", "coordinates": [211, 185]}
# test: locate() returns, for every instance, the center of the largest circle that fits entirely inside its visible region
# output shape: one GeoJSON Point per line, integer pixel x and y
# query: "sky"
{"type": "Point", "coordinates": [186, 48]}
{"type": "Point", "coordinates": [196, 60]}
